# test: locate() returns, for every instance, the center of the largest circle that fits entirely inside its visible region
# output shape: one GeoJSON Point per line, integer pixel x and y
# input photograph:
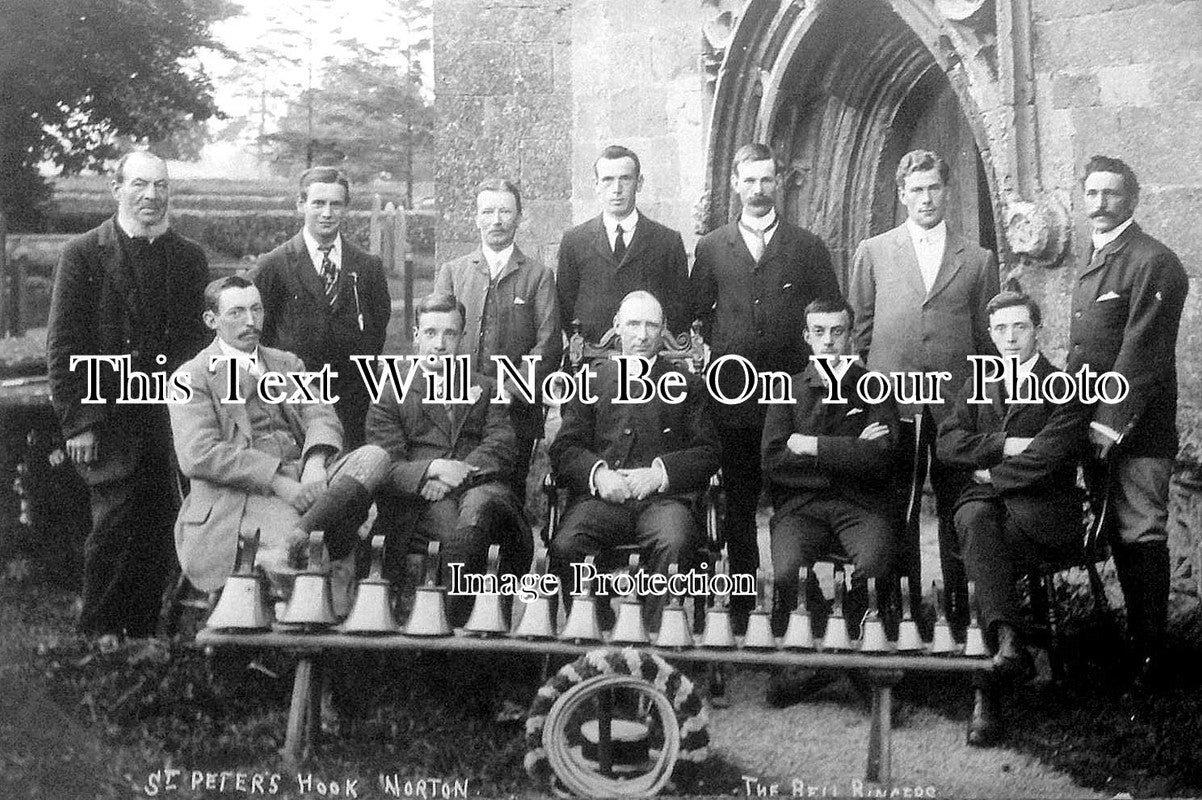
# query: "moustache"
{"type": "Point", "coordinates": [1105, 214]}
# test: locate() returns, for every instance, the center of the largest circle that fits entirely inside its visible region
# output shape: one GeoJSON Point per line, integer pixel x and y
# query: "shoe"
{"type": "Point", "coordinates": [791, 685]}
{"type": "Point", "coordinates": [985, 725]}
{"type": "Point", "coordinates": [1013, 661]}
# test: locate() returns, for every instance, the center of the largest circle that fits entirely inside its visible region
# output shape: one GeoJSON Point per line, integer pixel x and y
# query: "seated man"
{"type": "Point", "coordinates": [449, 477]}
{"type": "Point", "coordinates": [1022, 507]}
{"type": "Point", "coordinates": [829, 467]}
{"type": "Point", "coordinates": [633, 470]}
{"type": "Point", "coordinates": [261, 466]}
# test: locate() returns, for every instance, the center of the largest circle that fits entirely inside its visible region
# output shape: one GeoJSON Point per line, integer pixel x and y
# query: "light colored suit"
{"type": "Point", "coordinates": [231, 480]}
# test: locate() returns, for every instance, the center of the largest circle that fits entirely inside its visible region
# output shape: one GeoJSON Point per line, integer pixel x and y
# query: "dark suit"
{"type": "Point", "coordinates": [98, 307]}
{"type": "Point", "coordinates": [414, 433]}
{"type": "Point", "coordinates": [901, 327]}
{"type": "Point", "coordinates": [1030, 511]}
{"type": "Point", "coordinates": [840, 494]}
{"type": "Point", "coordinates": [592, 282]}
{"type": "Point", "coordinates": [755, 310]}
{"type": "Point", "coordinates": [300, 320]}
{"type": "Point", "coordinates": [631, 436]}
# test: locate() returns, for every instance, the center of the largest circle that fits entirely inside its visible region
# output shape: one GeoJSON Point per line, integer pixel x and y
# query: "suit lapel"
{"type": "Point", "coordinates": [236, 412]}
{"type": "Point", "coordinates": [269, 363]}
{"type": "Point", "coordinates": [738, 247]}
{"type": "Point", "coordinates": [907, 261]}
{"type": "Point", "coordinates": [601, 243]}
{"type": "Point", "coordinates": [637, 242]}
{"type": "Point", "coordinates": [117, 268]}
{"type": "Point", "coordinates": [302, 267]}
{"type": "Point", "coordinates": [1098, 259]}
{"type": "Point", "coordinates": [953, 260]}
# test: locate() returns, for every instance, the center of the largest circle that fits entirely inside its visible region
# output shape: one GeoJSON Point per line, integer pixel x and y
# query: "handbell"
{"type": "Point", "coordinates": [582, 624]}
{"type": "Point", "coordinates": [311, 605]}
{"type": "Point", "coordinates": [674, 630]}
{"type": "Point", "coordinates": [908, 638]}
{"type": "Point", "coordinates": [974, 640]}
{"type": "Point", "coordinates": [629, 627]}
{"type": "Point", "coordinates": [836, 638]}
{"type": "Point", "coordinates": [429, 614]}
{"type": "Point", "coordinates": [718, 633]}
{"type": "Point", "coordinates": [800, 633]}
{"type": "Point", "coordinates": [487, 618]}
{"type": "Point", "coordinates": [872, 630]}
{"type": "Point", "coordinates": [537, 622]}
{"type": "Point", "coordinates": [759, 625]}
{"type": "Point", "coordinates": [240, 607]}
{"type": "Point", "coordinates": [372, 613]}
{"type": "Point", "coordinates": [942, 644]}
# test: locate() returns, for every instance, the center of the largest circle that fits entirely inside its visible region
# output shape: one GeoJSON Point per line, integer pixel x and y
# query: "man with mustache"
{"type": "Point", "coordinates": [261, 466]}
{"type": "Point", "coordinates": [134, 287]}
{"type": "Point", "coordinates": [326, 299]}
{"type": "Point", "coordinates": [751, 282]}
{"type": "Point", "coordinates": [1126, 309]}
{"type": "Point", "coordinates": [511, 310]}
{"type": "Point", "coordinates": [919, 292]}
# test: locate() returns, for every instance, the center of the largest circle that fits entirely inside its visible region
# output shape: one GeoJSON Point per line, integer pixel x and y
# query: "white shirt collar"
{"type": "Point", "coordinates": [311, 244]}
{"type": "Point", "coordinates": [250, 361]}
{"type": "Point", "coordinates": [764, 223]}
{"type": "Point", "coordinates": [133, 229]}
{"type": "Point", "coordinates": [1028, 365]}
{"type": "Point", "coordinates": [628, 223]}
{"type": "Point", "coordinates": [935, 237]}
{"type": "Point", "coordinates": [1100, 240]}
{"type": "Point", "coordinates": [497, 259]}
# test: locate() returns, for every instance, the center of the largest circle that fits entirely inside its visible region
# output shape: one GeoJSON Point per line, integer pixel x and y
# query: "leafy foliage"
{"type": "Point", "coordinates": [77, 74]}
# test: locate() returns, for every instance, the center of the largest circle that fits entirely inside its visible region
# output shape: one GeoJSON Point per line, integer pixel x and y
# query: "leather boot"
{"type": "Point", "coordinates": [1012, 661]}
{"type": "Point", "coordinates": [339, 512]}
{"type": "Point", "coordinates": [1144, 575]}
{"type": "Point", "coordinates": [985, 725]}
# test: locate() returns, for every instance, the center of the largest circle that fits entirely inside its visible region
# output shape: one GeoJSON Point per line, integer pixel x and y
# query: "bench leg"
{"type": "Point", "coordinates": [880, 734]}
{"type": "Point", "coordinates": [304, 712]}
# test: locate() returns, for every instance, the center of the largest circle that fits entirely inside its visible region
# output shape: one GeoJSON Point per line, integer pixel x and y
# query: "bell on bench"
{"type": "Point", "coordinates": [800, 633]}
{"type": "Point", "coordinates": [240, 607]}
{"type": "Point", "coordinates": [674, 630]}
{"type": "Point", "coordinates": [372, 613]}
{"type": "Point", "coordinates": [759, 625]}
{"type": "Point", "coordinates": [942, 644]}
{"type": "Point", "coordinates": [872, 631]}
{"type": "Point", "coordinates": [974, 640]}
{"type": "Point", "coordinates": [429, 614]}
{"type": "Point", "coordinates": [908, 638]}
{"type": "Point", "coordinates": [629, 627]}
{"type": "Point", "coordinates": [536, 622]}
{"type": "Point", "coordinates": [836, 639]}
{"type": "Point", "coordinates": [718, 633]}
{"type": "Point", "coordinates": [582, 626]}
{"type": "Point", "coordinates": [487, 618]}
{"type": "Point", "coordinates": [311, 606]}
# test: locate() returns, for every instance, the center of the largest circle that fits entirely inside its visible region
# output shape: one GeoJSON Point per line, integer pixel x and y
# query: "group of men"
{"type": "Point", "coordinates": [918, 299]}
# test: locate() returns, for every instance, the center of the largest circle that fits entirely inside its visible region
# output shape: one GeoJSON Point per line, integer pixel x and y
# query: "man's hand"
{"type": "Point", "coordinates": [83, 448]}
{"type": "Point", "coordinates": [1015, 445]}
{"type": "Point", "coordinates": [642, 482]}
{"type": "Point", "coordinates": [434, 490]}
{"type": "Point", "coordinates": [803, 445]}
{"type": "Point", "coordinates": [612, 486]}
{"type": "Point", "coordinates": [873, 431]}
{"type": "Point", "coordinates": [452, 473]}
{"type": "Point", "coordinates": [291, 492]}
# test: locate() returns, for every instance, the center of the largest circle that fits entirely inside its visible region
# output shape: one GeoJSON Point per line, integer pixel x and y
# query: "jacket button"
{"type": "Point", "coordinates": [626, 432]}
{"type": "Point", "coordinates": [618, 463]}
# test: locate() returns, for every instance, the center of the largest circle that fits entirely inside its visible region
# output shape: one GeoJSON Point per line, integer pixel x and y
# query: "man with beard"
{"type": "Point", "coordinates": [131, 286]}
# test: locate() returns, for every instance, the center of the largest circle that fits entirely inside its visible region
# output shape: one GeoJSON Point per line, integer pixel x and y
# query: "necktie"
{"type": "Point", "coordinates": [329, 273]}
{"type": "Point", "coordinates": [758, 242]}
{"type": "Point", "coordinates": [619, 245]}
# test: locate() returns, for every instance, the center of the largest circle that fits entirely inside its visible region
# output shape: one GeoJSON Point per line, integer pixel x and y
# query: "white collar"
{"type": "Point", "coordinates": [1100, 240]}
{"type": "Point", "coordinates": [248, 360]}
{"type": "Point", "coordinates": [1029, 364]}
{"type": "Point", "coordinates": [935, 236]}
{"type": "Point", "coordinates": [628, 223]}
{"type": "Point", "coordinates": [133, 229]}
{"type": "Point", "coordinates": [313, 246]}
{"type": "Point", "coordinates": [499, 258]}
{"type": "Point", "coordinates": [763, 223]}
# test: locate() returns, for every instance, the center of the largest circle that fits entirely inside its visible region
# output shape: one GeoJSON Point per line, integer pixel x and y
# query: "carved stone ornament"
{"type": "Point", "coordinates": [701, 214]}
{"type": "Point", "coordinates": [1038, 232]}
{"type": "Point", "coordinates": [960, 10]}
{"type": "Point", "coordinates": [721, 19]}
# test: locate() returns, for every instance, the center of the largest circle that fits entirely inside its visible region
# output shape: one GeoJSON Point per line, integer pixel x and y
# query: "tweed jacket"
{"type": "Point", "coordinates": [900, 327]}
{"type": "Point", "coordinates": [231, 480]}
{"type": "Point", "coordinates": [94, 310]}
{"type": "Point", "coordinates": [592, 282]}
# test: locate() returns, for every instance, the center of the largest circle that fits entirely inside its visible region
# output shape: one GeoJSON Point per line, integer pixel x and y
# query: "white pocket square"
{"type": "Point", "coordinates": [1107, 296]}
{"type": "Point", "coordinates": [854, 411]}
{"type": "Point", "coordinates": [519, 301]}
{"type": "Point", "coordinates": [787, 286]}
{"type": "Point", "coordinates": [667, 430]}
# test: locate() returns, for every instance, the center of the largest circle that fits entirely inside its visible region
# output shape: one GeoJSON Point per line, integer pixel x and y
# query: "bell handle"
{"type": "Point", "coordinates": [377, 557]}
{"type": "Point", "coordinates": [494, 559]}
{"type": "Point", "coordinates": [432, 563]}
{"type": "Point", "coordinates": [317, 543]}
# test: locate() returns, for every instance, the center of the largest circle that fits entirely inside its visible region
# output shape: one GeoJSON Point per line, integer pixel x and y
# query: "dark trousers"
{"type": "Point", "coordinates": [130, 554]}
{"type": "Point", "coordinates": [664, 528]}
{"type": "Point", "coordinates": [802, 535]}
{"type": "Point", "coordinates": [948, 483]}
{"type": "Point", "coordinates": [741, 483]}
{"type": "Point", "coordinates": [997, 550]}
{"type": "Point", "coordinates": [351, 408]}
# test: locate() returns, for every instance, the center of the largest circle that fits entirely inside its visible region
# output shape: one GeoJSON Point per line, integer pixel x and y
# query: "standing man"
{"type": "Point", "coordinates": [752, 280]}
{"type": "Point", "coordinates": [1126, 309]}
{"type": "Point", "coordinates": [603, 260]}
{"type": "Point", "coordinates": [919, 292]}
{"type": "Point", "coordinates": [511, 310]}
{"type": "Point", "coordinates": [131, 287]}
{"type": "Point", "coordinates": [326, 299]}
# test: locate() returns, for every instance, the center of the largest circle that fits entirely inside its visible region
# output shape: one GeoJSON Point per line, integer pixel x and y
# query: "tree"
{"type": "Point", "coordinates": [77, 76]}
